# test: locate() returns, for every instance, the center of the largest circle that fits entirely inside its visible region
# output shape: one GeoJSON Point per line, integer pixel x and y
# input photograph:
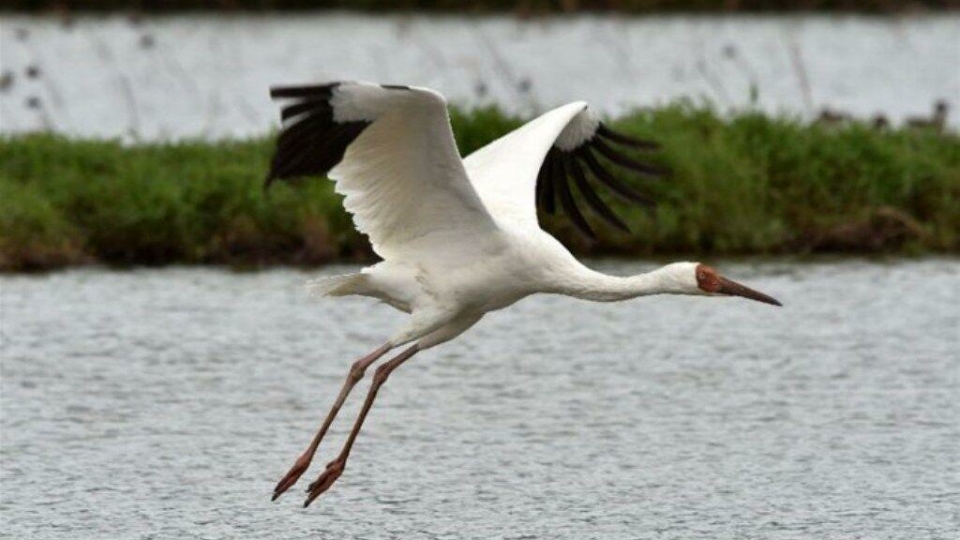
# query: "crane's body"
{"type": "Point", "coordinates": [490, 276]}
{"type": "Point", "coordinates": [460, 238]}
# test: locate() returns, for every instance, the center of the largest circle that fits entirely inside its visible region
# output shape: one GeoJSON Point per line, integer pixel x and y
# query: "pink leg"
{"type": "Point", "coordinates": [335, 468]}
{"type": "Point", "coordinates": [303, 462]}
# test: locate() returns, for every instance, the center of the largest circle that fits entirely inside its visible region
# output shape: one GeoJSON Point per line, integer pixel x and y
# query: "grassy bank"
{"type": "Point", "coordinates": [750, 184]}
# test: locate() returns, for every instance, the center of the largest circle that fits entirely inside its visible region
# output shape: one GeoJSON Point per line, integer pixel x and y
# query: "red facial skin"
{"type": "Point", "coordinates": [708, 279]}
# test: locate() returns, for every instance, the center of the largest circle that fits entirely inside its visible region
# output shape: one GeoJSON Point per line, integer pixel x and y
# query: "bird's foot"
{"type": "Point", "coordinates": [300, 467]}
{"type": "Point", "coordinates": [325, 480]}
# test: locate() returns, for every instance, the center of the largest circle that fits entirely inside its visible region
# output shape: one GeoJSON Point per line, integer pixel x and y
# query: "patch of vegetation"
{"type": "Point", "coordinates": [743, 185]}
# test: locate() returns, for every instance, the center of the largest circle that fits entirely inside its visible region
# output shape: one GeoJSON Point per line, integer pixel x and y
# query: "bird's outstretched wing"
{"type": "Point", "coordinates": [391, 151]}
{"type": "Point", "coordinates": [539, 164]}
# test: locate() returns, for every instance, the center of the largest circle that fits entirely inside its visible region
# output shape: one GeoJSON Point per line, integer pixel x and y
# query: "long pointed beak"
{"type": "Point", "coordinates": [735, 289]}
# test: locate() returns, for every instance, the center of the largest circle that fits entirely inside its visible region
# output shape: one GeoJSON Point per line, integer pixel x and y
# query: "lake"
{"type": "Point", "coordinates": [165, 404]}
{"type": "Point", "coordinates": [207, 76]}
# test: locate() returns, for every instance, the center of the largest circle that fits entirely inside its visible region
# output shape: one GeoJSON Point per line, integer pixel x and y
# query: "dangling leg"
{"type": "Point", "coordinates": [303, 462]}
{"type": "Point", "coordinates": [335, 468]}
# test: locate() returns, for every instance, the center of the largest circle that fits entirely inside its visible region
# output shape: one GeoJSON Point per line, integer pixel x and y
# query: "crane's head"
{"type": "Point", "coordinates": [696, 278]}
{"type": "Point", "coordinates": [709, 281]}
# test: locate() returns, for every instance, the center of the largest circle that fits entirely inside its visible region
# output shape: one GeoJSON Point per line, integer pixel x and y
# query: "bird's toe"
{"type": "Point", "coordinates": [291, 477]}
{"type": "Point", "coordinates": [324, 481]}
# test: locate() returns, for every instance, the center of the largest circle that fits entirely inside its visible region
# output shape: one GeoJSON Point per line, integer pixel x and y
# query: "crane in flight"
{"type": "Point", "coordinates": [458, 237]}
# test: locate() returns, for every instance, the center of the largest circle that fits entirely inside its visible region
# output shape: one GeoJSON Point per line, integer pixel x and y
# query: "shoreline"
{"type": "Point", "coordinates": [750, 184]}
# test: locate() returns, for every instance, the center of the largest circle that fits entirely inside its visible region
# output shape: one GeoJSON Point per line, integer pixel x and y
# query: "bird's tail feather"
{"type": "Point", "coordinates": [341, 285]}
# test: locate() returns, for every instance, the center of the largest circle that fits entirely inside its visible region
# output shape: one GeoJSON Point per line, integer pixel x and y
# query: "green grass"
{"type": "Point", "coordinates": [746, 185]}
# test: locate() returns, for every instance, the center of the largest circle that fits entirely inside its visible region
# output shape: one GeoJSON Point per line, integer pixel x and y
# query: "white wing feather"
{"type": "Point", "coordinates": [504, 173]}
{"type": "Point", "coordinates": [403, 179]}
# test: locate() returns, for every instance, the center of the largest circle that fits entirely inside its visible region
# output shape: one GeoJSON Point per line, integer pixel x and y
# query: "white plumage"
{"type": "Point", "coordinates": [459, 237]}
{"type": "Point", "coordinates": [504, 172]}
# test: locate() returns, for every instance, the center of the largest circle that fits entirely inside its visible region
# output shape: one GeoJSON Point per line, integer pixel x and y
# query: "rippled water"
{"type": "Point", "coordinates": [164, 404]}
{"type": "Point", "coordinates": [207, 76]}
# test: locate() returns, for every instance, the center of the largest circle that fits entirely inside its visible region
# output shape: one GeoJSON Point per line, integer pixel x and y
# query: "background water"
{"type": "Point", "coordinates": [207, 76]}
{"type": "Point", "coordinates": [165, 404]}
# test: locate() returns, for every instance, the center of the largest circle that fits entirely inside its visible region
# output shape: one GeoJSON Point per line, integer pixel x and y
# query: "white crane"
{"type": "Point", "coordinates": [458, 237]}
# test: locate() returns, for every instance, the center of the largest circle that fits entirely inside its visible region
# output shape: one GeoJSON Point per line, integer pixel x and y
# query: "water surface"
{"type": "Point", "coordinates": [207, 76]}
{"type": "Point", "coordinates": [164, 404]}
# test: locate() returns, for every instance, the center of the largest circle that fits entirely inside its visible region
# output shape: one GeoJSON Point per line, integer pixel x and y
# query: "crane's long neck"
{"type": "Point", "coordinates": [588, 284]}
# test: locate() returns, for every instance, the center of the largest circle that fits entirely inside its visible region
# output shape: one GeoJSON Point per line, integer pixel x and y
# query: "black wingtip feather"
{"type": "Point", "coordinates": [624, 161]}
{"type": "Point", "coordinates": [610, 181]}
{"type": "Point", "coordinates": [567, 202]}
{"type": "Point", "coordinates": [312, 142]}
{"type": "Point", "coordinates": [590, 195]}
{"type": "Point", "coordinates": [311, 91]}
{"type": "Point", "coordinates": [553, 180]}
{"type": "Point", "coordinates": [604, 131]}
{"type": "Point", "coordinates": [548, 201]}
